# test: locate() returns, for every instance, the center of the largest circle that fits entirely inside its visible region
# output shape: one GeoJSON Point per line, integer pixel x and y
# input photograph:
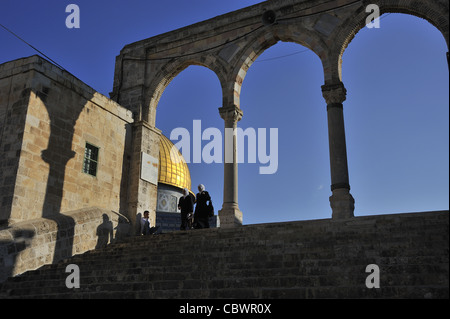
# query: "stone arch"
{"type": "Point", "coordinates": [263, 41]}
{"type": "Point", "coordinates": [434, 12]}
{"type": "Point", "coordinates": [372, 96]}
{"type": "Point", "coordinates": [169, 71]}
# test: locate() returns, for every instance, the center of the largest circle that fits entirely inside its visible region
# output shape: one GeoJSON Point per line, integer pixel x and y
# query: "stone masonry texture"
{"type": "Point", "coordinates": [50, 210]}
{"type": "Point", "coordinates": [305, 259]}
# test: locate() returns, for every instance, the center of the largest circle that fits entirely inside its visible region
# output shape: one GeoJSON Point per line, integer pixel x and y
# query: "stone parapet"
{"type": "Point", "coordinates": [31, 244]}
{"type": "Point", "coordinates": [310, 259]}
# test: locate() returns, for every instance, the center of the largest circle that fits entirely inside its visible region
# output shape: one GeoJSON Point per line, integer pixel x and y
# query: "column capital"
{"type": "Point", "coordinates": [334, 93]}
{"type": "Point", "coordinates": [231, 114]}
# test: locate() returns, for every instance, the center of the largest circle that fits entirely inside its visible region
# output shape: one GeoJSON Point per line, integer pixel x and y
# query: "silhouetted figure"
{"type": "Point", "coordinates": [201, 215]}
{"type": "Point", "coordinates": [104, 232]}
{"type": "Point", "coordinates": [186, 205]}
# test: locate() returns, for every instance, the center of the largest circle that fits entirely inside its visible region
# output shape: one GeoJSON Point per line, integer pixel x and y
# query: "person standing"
{"type": "Point", "coordinates": [186, 206]}
{"type": "Point", "coordinates": [201, 215]}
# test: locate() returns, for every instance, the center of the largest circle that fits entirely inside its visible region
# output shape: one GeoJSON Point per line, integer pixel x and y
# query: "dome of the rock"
{"type": "Point", "coordinates": [173, 169]}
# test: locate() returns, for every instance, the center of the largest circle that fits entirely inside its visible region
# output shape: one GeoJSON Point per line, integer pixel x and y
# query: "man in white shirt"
{"type": "Point", "coordinates": [145, 224]}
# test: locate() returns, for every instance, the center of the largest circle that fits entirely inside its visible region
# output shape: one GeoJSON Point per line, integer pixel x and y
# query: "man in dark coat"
{"type": "Point", "coordinates": [201, 215]}
{"type": "Point", "coordinates": [186, 206]}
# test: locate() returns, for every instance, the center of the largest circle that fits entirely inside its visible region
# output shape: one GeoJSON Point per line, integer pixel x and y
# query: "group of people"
{"type": "Point", "coordinates": [190, 218]}
{"type": "Point", "coordinates": [200, 217]}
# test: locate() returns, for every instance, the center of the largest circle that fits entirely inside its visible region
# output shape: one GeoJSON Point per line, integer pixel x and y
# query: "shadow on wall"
{"type": "Point", "coordinates": [11, 141]}
{"type": "Point", "coordinates": [29, 245]}
{"type": "Point", "coordinates": [9, 250]}
{"type": "Point", "coordinates": [63, 98]}
{"type": "Point", "coordinates": [105, 231]}
{"type": "Point", "coordinates": [123, 203]}
{"type": "Point", "coordinates": [57, 154]}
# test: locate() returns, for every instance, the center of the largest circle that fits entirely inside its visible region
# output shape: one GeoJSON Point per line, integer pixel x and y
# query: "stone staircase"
{"type": "Point", "coordinates": [306, 259]}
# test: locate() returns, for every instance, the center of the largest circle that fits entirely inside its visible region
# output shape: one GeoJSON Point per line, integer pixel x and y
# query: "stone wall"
{"type": "Point", "coordinates": [14, 100]}
{"type": "Point", "coordinates": [324, 258]}
{"type": "Point", "coordinates": [31, 244]}
{"type": "Point", "coordinates": [169, 222]}
{"type": "Point", "coordinates": [50, 208]}
{"type": "Point", "coordinates": [49, 117]}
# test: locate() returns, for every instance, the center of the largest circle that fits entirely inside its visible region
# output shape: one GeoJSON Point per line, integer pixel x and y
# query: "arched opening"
{"type": "Point", "coordinates": [396, 117]}
{"type": "Point", "coordinates": [282, 90]}
{"type": "Point", "coordinates": [194, 94]}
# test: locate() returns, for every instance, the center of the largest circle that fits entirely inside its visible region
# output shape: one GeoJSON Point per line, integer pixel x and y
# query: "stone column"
{"type": "Point", "coordinates": [230, 215]}
{"type": "Point", "coordinates": [341, 201]}
{"type": "Point", "coordinates": [142, 195]}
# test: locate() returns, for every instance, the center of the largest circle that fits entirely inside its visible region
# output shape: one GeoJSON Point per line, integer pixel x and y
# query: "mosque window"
{"type": "Point", "coordinates": [90, 159]}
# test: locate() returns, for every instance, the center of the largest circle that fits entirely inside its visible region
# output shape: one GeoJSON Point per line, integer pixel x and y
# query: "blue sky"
{"type": "Point", "coordinates": [396, 112]}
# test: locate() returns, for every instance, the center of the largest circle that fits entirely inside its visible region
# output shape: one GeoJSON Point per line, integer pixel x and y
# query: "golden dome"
{"type": "Point", "coordinates": [172, 169]}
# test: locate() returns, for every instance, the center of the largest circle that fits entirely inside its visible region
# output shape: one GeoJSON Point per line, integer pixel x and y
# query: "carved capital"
{"type": "Point", "coordinates": [231, 115]}
{"type": "Point", "coordinates": [334, 93]}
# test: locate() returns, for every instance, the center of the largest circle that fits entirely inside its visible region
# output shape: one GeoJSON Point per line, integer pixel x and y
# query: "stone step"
{"type": "Point", "coordinates": [310, 259]}
{"type": "Point", "coordinates": [246, 263]}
